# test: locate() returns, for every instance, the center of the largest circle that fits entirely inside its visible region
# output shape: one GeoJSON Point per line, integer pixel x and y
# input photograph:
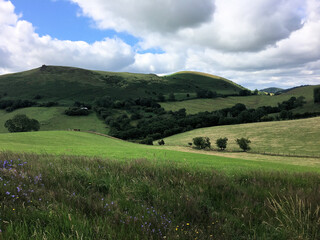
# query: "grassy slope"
{"type": "Point", "coordinates": [54, 119]}
{"type": "Point", "coordinates": [299, 137]}
{"type": "Point", "coordinates": [66, 84]}
{"type": "Point", "coordinates": [85, 144]}
{"type": "Point", "coordinates": [65, 197]}
{"type": "Point", "coordinates": [201, 105]}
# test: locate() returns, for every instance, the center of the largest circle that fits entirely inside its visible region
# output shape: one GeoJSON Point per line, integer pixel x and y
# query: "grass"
{"type": "Point", "coordinates": [54, 119]}
{"type": "Point", "coordinates": [202, 105]}
{"type": "Point", "coordinates": [296, 137]}
{"type": "Point", "coordinates": [69, 197]}
{"type": "Point", "coordinates": [86, 144]}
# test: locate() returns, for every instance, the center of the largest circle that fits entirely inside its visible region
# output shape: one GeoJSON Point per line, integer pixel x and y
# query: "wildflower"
{"type": "Point", "coordinates": [13, 209]}
{"type": "Point", "coordinates": [188, 224]}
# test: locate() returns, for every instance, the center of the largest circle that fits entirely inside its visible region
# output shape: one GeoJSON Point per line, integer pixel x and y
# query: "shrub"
{"type": "Point", "coordinates": [202, 142]}
{"type": "Point", "coordinates": [147, 141]}
{"type": "Point", "coordinates": [161, 142]}
{"type": "Point", "coordinates": [244, 144]}
{"type": "Point", "coordinates": [222, 143]}
{"type": "Point", "coordinates": [21, 123]}
{"type": "Point", "coordinates": [75, 111]}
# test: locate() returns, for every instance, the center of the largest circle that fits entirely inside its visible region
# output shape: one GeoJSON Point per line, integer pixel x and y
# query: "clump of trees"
{"type": "Point", "coordinates": [21, 123]}
{"type": "Point", "coordinates": [206, 94]}
{"type": "Point", "coordinates": [202, 142]}
{"type": "Point", "coordinates": [78, 109]}
{"type": "Point", "coordinates": [222, 143]}
{"type": "Point", "coordinates": [11, 105]}
{"type": "Point", "coordinates": [244, 144]}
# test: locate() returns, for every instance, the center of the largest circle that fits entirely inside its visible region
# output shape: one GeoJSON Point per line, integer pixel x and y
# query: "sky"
{"type": "Point", "coordinates": [257, 44]}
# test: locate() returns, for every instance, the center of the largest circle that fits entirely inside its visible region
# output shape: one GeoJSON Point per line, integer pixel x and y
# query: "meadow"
{"type": "Point", "coordinates": [53, 118]}
{"type": "Point", "coordinates": [201, 105]}
{"type": "Point", "coordinates": [58, 184]}
{"type": "Point", "coordinates": [76, 197]}
{"type": "Point", "coordinates": [295, 137]}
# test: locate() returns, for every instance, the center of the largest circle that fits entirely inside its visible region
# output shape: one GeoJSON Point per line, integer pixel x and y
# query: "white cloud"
{"type": "Point", "coordinates": [257, 43]}
{"type": "Point", "coordinates": [22, 48]}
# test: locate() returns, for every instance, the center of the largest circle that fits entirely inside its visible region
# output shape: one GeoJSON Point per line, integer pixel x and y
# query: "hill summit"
{"type": "Point", "coordinates": [56, 83]}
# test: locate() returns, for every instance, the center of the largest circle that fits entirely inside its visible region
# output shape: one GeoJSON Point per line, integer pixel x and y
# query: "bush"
{"type": "Point", "coordinates": [161, 142]}
{"type": "Point", "coordinates": [222, 143]}
{"type": "Point", "coordinates": [21, 123]}
{"type": "Point", "coordinates": [244, 144]}
{"type": "Point", "coordinates": [147, 141]}
{"type": "Point", "coordinates": [202, 142]}
{"type": "Point", "coordinates": [75, 111]}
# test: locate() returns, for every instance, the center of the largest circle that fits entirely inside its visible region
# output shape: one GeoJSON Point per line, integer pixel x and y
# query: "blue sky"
{"type": "Point", "coordinates": [257, 44]}
{"type": "Point", "coordinates": [60, 20]}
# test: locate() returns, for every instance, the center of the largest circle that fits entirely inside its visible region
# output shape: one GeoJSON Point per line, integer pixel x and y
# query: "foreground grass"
{"type": "Point", "coordinates": [296, 137]}
{"type": "Point", "coordinates": [66, 197]}
{"type": "Point", "coordinates": [86, 144]}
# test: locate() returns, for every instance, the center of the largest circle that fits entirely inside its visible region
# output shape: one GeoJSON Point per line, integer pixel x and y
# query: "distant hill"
{"type": "Point", "coordinates": [272, 90]}
{"type": "Point", "coordinates": [290, 89]}
{"type": "Point", "coordinates": [201, 105]}
{"type": "Point", "coordinates": [66, 84]}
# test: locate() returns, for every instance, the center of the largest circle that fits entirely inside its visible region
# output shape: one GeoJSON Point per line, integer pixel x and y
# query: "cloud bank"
{"type": "Point", "coordinates": [254, 43]}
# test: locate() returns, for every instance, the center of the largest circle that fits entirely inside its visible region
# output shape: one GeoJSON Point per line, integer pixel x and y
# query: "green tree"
{"type": "Point", "coordinates": [316, 95]}
{"type": "Point", "coordinates": [202, 142]}
{"type": "Point", "coordinates": [222, 143]}
{"type": "Point", "coordinates": [21, 123]}
{"type": "Point", "coordinates": [172, 97]}
{"type": "Point", "coordinates": [244, 144]}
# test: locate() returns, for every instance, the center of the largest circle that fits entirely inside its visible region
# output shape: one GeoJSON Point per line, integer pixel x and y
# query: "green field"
{"type": "Point", "coordinates": [295, 137]}
{"type": "Point", "coordinates": [54, 119]}
{"type": "Point", "coordinates": [83, 186]}
{"type": "Point", "coordinates": [86, 144]}
{"type": "Point", "coordinates": [202, 105]}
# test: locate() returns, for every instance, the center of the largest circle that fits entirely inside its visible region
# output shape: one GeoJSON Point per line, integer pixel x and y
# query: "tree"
{"type": "Point", "coordinates": [222, 143]}
{"type": "Point", "coordinates": [21, 123]}
{"type": "Point", "coordinates": [316, 95]}
{"type": "Point", "coordinates": [161, 98]}
{"type": "Point", "coordinates": [172, 98]}
{"type": "Point", "coordinates": [202, 142]}
{"type": "Point", "coordinates": [244, 144]}
{"type": "Point", "coordinates": [161, 142]}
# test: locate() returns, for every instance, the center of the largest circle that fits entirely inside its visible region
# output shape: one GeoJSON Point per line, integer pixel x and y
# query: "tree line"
{"type": "Point", "coordinates": [152, 122]}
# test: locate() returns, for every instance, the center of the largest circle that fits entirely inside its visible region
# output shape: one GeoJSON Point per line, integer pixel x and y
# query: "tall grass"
{"type": "Point", "coordinates": [67, 197]}
{"type": "Point", "coordinates": [295, 217]}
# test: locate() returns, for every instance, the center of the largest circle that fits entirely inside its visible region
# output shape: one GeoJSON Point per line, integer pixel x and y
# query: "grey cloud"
{"type": "Point", "coordinates": [143, 16]}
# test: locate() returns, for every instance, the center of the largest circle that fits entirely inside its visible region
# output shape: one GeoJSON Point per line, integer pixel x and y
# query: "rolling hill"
{"type": "Point", "coordinates": [201, 105]}
{"type": "Point", "coordinates": [71, 143]}
{"type": "Point", "coordinates": [295, 137]}
{"type": "Point", "coordinates": [272, 90]}
{"type": "Point", "coordinates": [66, 84]}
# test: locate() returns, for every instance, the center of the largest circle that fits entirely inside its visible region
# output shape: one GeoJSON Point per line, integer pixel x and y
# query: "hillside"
{"type": "Point", "coordinates": [272, 90]}
{"type": "Point", "coordinates": [296, 137]}
{"type": "Point", "coordinates": [53, 118]}
{"type": "Point", "coordinates": [66, 84]}
{"type": "Point", "coordinates": [91, 145]}
{"type": "Point", "coordinates": [201, 105]}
